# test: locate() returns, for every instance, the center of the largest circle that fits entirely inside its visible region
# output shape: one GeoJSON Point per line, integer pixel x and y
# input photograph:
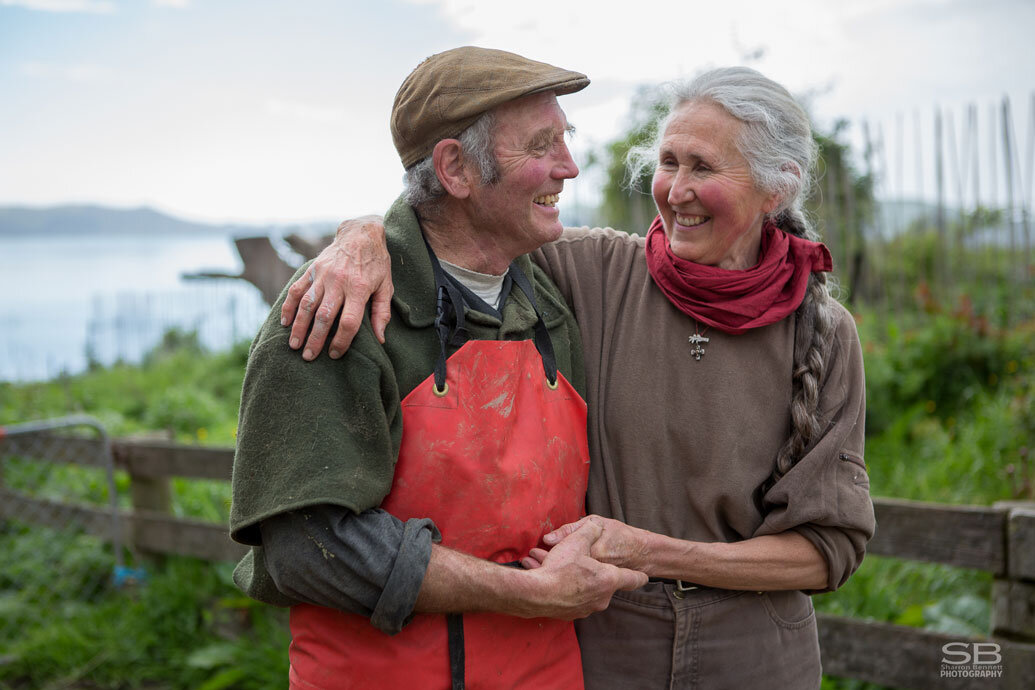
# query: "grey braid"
{"type": "Point", "coordinates": [813, 333]}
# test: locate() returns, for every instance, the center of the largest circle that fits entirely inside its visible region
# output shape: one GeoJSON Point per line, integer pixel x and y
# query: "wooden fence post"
{"type": "Point", "coordinates": [149, 495]}
{"type": "Point", "coordinates": [1013, 594]}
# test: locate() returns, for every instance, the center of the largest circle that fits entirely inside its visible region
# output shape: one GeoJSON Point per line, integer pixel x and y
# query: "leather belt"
{"type": "Point", "coordinates": [680, 585]}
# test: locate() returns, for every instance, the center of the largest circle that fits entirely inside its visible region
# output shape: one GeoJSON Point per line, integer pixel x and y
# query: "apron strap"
{"type": "Point", "coordinates": [457, 655]}
{"type": "Point", "coordinates": [449, 317]}
{"type": "Point", "coordinates": [542, 340]}
{"type": "Point", "coordinates": [449, 320]}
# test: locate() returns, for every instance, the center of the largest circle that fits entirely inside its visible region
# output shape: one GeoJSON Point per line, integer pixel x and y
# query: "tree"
{"type": "Point", "coordinates": [627, 204]}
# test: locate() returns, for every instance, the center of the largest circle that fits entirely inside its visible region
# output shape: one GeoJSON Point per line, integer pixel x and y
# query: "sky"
{"type": "Point", "coordinates": [264, 111]}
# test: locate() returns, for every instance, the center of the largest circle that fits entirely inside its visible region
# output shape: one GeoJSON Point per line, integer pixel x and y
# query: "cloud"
{"type": "Point", "coordinates": [175, 4]}
{"type": "Point", "coordinates": [83, 73]}
{"type": "Point", "coordinates": [675, 38]}
{"type": "Point", "coordinates": [88, 6]}
{"type": "Point", "coordinates": [305, 112]}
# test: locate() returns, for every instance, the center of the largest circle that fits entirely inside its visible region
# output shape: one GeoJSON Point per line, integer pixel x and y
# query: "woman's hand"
{"type": "Point", "coordinates": [567, 584]}
{"type": "Point", "coordinates": [354, 268]}
{"type": "Point", "coordinates": [618, 544]}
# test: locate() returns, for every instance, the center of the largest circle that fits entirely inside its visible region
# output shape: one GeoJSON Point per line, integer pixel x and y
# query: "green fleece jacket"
{"type": "Point", "coordinates": [328, 431]}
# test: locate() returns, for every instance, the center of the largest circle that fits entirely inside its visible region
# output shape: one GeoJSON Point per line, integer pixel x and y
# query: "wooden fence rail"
{"type": "Point", "coordinates": [998, 539]}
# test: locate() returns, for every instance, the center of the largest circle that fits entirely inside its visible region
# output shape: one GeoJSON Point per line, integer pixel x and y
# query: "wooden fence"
{"type": "Point", "coordinates": [998, 539]}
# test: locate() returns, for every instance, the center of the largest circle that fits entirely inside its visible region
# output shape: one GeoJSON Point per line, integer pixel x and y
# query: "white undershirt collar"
{"type": "Point", "coordinates": [486, 286]}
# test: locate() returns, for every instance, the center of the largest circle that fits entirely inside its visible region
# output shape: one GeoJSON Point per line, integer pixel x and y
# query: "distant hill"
{"type": "Point", "coordinates": [87, 219]}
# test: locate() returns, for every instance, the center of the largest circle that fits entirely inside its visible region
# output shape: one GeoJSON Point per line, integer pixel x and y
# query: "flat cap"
{"type": "Point", "coordinates": [447, 93]}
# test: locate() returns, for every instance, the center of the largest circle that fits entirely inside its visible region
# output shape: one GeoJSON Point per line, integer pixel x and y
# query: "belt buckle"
{"type": "Point", "coordinates": [683, 586]}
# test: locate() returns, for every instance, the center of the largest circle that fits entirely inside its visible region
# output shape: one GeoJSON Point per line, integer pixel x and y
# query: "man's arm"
{"type": "Point", "coordinates": [377, 566]}
{"type": "Point", "coordinates": [569, 584]}
{"type": "Point", "coordinates": [370, 563]}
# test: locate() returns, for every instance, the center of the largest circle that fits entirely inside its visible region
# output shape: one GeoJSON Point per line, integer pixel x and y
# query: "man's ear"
{"type": "Point", "coordinates": [448, 159]}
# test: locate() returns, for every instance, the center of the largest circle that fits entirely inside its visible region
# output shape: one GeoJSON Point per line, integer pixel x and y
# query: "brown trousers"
{"type": "Point", "coordinates": [656, 637]}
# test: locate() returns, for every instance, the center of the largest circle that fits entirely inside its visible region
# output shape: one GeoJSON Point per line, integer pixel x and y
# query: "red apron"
{"type": "Point", "coordinates": [497, 461]}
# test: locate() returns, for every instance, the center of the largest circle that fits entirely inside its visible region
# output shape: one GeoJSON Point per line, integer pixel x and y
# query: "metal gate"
{"type": "Point", "coordinates": [61, 534]}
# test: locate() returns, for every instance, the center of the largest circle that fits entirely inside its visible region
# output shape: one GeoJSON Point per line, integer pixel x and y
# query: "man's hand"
{"type": "Point", "coordinates": [344, 276]}
{"type": "Point", "coordinates": [570, 583]}
{"type": "Point", "coordinates": [617, 544]}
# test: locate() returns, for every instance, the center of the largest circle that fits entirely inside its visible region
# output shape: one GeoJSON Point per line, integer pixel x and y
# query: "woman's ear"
{"type": "Point", "coordinates": [774, 200]}
{"type": "Point", "coordinates": [448, 160]}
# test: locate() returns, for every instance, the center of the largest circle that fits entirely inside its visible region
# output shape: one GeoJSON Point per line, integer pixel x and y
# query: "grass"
{"type": "Point", "coordinates": [186, 626]}
{"type": "Point", "coordinates": [950, 420]}
{"type": "Point", "coordinates": [180, 391]}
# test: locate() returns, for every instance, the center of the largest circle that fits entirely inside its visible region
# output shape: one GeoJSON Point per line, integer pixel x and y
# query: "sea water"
{"type": "Point", "coordinates": [66, 300]}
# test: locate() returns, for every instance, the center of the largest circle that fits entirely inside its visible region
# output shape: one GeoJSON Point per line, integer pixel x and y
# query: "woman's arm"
{"type": "Point", "coordinates": [356, 268]}
{"type": "Point", "coordinates": [773, 562]}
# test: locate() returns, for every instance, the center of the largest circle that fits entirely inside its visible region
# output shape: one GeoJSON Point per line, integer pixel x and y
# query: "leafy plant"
{"type": "Point", "coordinates": [943, 404]}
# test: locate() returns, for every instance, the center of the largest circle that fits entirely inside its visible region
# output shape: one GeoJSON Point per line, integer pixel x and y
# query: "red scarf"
{"type": "Point", "coordinates": [737, 301]}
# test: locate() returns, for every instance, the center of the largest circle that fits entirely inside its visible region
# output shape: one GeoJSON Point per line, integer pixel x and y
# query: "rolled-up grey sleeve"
{"type": "Point", "coordinates": [371, 563]}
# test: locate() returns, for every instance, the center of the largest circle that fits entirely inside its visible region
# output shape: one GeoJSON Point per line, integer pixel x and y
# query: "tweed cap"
{"type": "Point", "coordinates": [447, 93]}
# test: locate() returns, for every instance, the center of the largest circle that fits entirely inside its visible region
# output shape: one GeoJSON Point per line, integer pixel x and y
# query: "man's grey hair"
{"type": "Point", "coordinates": [478, 143]}
{"type": "Point", "coordinates": [776, 137]}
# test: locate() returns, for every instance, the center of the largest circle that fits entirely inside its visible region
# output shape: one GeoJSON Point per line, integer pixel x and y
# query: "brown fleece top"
{"type": "Point", "coordinates": [680, 446]}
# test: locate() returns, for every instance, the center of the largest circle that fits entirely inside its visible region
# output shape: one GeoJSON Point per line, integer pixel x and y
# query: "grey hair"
{"type": "Point", "coordinates": [478, 143]}
{"type": "Point", "coordinates": [776, 139]}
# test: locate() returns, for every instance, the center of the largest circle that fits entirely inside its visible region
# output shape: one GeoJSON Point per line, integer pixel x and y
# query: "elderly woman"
{"type": "Point", "coordinates": [726, 402]}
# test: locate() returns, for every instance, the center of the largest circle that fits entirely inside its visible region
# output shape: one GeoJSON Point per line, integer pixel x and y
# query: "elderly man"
{"type": "Point", "coordinates": [430, 463]}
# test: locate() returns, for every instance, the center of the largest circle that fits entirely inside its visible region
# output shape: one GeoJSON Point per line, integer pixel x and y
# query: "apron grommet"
{"type": "Point", "coordinates": [551, 386]}
{"type": "Point", "coordinates": [440, 393]}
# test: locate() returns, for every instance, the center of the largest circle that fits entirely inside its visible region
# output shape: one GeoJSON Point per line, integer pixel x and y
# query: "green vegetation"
{"type": "Point", "coordinates": [180, 391]}
{"type": "Point", "coordinates": [185, 626]}
{"type": "Point", "coordinates": [62, 622]}
{"type": "Point", "coordinates": [950, 419]}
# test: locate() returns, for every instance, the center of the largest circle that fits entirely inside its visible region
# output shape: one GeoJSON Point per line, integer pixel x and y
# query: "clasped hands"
{"type": "Point", "coordinates": [574, 578]}
{"type": "Point", "coordinates": [613, 542]}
